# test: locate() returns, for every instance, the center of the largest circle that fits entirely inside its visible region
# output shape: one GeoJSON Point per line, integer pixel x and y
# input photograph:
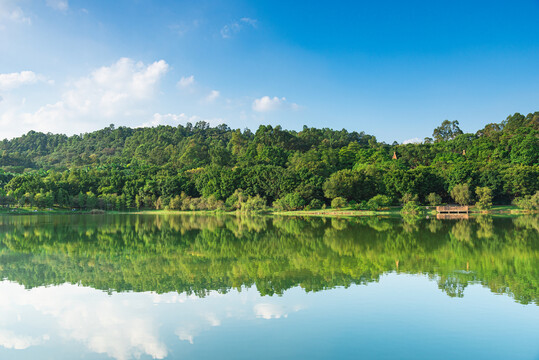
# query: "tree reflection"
{"type": "Point", "coordinates": [195, 254]}
{"type": "Point", "coordinates": [486, 227]}
{"type": "Point", "coordinates": [462, 231]}
{"type": "Point", "coordinates": [452, 285]}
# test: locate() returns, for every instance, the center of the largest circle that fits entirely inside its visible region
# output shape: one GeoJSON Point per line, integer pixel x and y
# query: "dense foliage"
{"type": "Point", "coordinates": [197, 167]}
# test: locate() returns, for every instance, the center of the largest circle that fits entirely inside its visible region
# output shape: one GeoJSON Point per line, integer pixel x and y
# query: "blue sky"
{"type": "Point", "coordinates": [392, 69]}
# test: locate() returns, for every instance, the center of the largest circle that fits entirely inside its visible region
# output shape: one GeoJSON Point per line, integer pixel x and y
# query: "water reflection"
{"type": "Point", "coordinates": [129, 287]}
{"type": "Point", "coordinates": [69, 321]}
{"type": "Point", "coordinates": [197, 254]}
{"type": "Point", "coordinates": [125, 325]}
{"type": "Point", "coordinates": [120, 329]}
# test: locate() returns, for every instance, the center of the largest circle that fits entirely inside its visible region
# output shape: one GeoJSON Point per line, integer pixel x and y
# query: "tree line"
{"type": "Point", "coordinates": [196, 167]}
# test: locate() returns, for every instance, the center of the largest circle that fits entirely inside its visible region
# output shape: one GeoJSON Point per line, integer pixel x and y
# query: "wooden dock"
{"type": "Point", "coordinates": [452, 209]}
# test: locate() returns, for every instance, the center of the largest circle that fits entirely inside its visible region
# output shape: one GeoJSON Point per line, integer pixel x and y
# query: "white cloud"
{"type": "Point", "coordinates": [119, 329]}
{"type": "Point", "coordinates": [252, 22]}
{"type": "Point", "coordinates": [186, 82]}
{"type": "Point", "coordinates": [266, 103]}
{"type": "Point", "coordinates": [123, 325]}
{"type": "Point", "coordinates": [109, 93]}
{"type": "Point", "coordinates": [202, 322]}
{"type": "Point", "coordinates": [212, 96]}
{"type": "Point", "coordinates": [415, 140]}
{"type": "Point", "coordinates": [14, 80]}
{"type": "Point", "coordinates": [269, 311]}
{"type": "Point", "coordinates": [124, 79]}
{"type": "Point", "coordinates": [212, 319]}
{"type": "Point", "coordinates": [60, 5]}
{"type": "Point", "coordinates": [10, 340]}
{"type": "Point", "coordinates": [236, 26]}
{"type": "Point", "coordinates": [185, 335]}
{"type": "Point", "coordinates": [10, 12]}
{"type": "Point", "coordinates": [183, 28]}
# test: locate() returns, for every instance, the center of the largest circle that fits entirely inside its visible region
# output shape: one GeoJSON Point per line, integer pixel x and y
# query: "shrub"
{"type": "Point", "coordinates": [235, 200]}
{"type": "Point", "coordinates": [338, 203]}
{"type": "Point", "coordinates": [316, 204]}
{"type": "Point", "coordinates": [175, 203]}
{"type": "Point", "coordinates": [158, 204]}
{"type": "Point", "coordinates": [484, 195]}
{"type": "Point", "coordinates": [528, 202]}
{"type": "Point", "coordinates": [411, 207]}
{"type": "Point", "coordinates": [254, 204]}
{"type": "Point", "coordinates": [197, 204]}
{"type": "Point", "coordinates": [434, 199]}
{"type": "Point", "coordinates": [378, 202]}
{"type": "Point", "coordinates": [535, 200]}
{"type": "Point", "coordinates": [406, 198]}
{"type": "Point", "coordinates": [186, 204]}
{"type": "Point", "coordinates": [280, 205]}
{"type": "Point", "coordinates": [211, 202]}
{"type": "Point", "coordinates": [292, 201]}
{"type": "Point", "coordinates": [220, 205]}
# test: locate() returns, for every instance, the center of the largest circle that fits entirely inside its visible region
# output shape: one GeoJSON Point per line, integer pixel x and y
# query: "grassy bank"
{"type": "Point", "coordinates": [396, 210]}
{"type": "Point", "coordinates": [349, 211]}
{"type": "Point", "coordinates": [31, 211]}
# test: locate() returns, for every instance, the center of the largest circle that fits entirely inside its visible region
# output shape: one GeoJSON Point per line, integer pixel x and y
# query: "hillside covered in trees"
{"type": "Point", "coordinates": [203, 167]}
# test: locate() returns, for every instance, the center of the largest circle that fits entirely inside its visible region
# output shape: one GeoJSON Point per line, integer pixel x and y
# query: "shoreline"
{"type": "Point", "coordinates": [346, 212]}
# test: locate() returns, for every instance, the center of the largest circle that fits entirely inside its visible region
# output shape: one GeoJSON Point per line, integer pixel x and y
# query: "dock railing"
{"type": "Point", "coordinates": [452, 209]}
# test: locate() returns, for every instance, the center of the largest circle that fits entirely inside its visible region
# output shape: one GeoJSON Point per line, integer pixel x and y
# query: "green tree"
{"type": "Point", "coordinates": [484, 198]}
{"type": "Point", "coordinates": [528, 202]}
{"type": "Point", "coordinates": [406, 198]}
{"type": "Point", "coordinates": [461, 194]}
{"type": "Point", "coordinates": [254, 204]}
{"type": "Point", "coordinates": [434, 199]}
{"type": "Point", "coordinates": [343, 184]}
{"type": "Point", "coordinates": [290, 202]}
{"type": "Point", "coordinates": [82, 200]}
{"type": "Point", "coordinates": [338, 202]}
{"type": "Point", "coordinates": [379, 202]}
{"type": "Point", "coordinates": [447, 131]}
{"type": "Point", "coordinates": [316, 204]}
{"type": "Point", "coordinates": [235, 200]}
{"type": "Point", "coordinates": [38, 199]}
{"type": "Point", "coordinates": [411, 207]}
{"type": "Point", "coordinates": [91, 200]}
{"type": "Point", "coordinates": [175, 203]}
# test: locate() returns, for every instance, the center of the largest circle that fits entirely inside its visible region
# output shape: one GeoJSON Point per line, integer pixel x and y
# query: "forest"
{"type": "Point", "coordinates": [198, 167]}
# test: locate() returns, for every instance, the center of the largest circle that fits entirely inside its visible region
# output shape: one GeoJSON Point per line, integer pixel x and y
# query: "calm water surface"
{"type": "Point", "coordinates": [195, 287]}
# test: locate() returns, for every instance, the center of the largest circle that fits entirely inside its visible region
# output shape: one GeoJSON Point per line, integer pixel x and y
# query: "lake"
{"type": "Point", "coordinates": [206, 287]}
